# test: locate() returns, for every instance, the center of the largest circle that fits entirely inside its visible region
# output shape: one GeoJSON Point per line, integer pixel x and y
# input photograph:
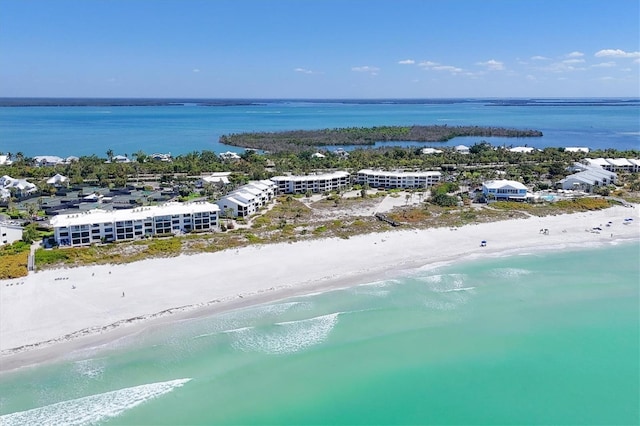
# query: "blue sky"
{"type": "Point", "coordinates": [320, 48]}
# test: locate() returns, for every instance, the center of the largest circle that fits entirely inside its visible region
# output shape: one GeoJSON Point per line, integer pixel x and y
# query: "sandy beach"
{"type": "Point", "coordinates": [48, 313]}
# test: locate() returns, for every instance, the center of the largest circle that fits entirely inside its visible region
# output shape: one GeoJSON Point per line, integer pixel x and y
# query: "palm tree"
{"type": "Point", "coordinates": [110, 154]}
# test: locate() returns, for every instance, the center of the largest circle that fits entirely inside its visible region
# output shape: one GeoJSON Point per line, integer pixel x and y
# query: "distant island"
{"type": "Point", "coordinates": [226, 102]}
{"type": "Point", "coordinates": [300, 140]}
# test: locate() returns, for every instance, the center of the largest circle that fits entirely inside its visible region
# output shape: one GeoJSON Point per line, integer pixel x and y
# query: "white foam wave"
{"type": "Point", "coordinates": [215, 333]}
{"type": "Point", "coordinates": [93, 409]}
{"type": "Point", "coordinates": [441, 305]}
{"type": "Point", "coordinates": [286, 337]}
{"type": "Point", "coordinates": [449, 291]}
{"type": "Point", "coordinates": [385, 283]}
{"type": "Point", "coordinates": [444, 283]}
{"type": "Point", "coordinates": [509, 272]}
{"type": "Point", "coordinates": [458, 289]}
{"type": "Point", "coordinates": [280, 308]}
{"type": "Point", "coordinates": [91, 368]}
{"type": "Point", "coordinates": [433, 279]}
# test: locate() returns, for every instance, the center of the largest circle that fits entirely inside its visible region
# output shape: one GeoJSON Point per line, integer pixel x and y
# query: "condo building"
{"type": "Point", "coordinates": [387, 179]}
{"type": "Point", "coordinates": [95, 226]}
{"type": "Point", "coordinates": [248, 199]}
{"type": "Point", "coordinates": [314, 183]}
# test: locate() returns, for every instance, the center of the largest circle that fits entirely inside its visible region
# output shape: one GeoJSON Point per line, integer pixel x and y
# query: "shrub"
{"type": "Point", "coordinates": [13, 265]}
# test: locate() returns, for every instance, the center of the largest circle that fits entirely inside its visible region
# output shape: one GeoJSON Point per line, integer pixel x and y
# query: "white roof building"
{"type": "Point", "coordinates": [161, 157]}
{"type": "Point", "coordinates": [95, 226]}
{"type": "Point", "coordinates": [504, 189]}
{"type": "Point", "coordinates": [47, 160]}
{"type": "Point", "coordinates": [9, 233]}
{"type": "Point", "coordinates": [5, 160]}
{"type": "Point", "coordinates": [120, 159]}
{"type": "Point", "coordinates": [318, 155]}
{"type": "Point", "coordinates": [57, 179]}
{"type": "Point", "coordinates": [21, 186]}
{"type": "Point", "coordinates": [522, 149]}
{"type": "Point", "coordinates": [248, 199]}
{"type": "Point", "coordinates": [588, 179]}
{"type": "Point", "coordinates": [229, 156]}
{"type": "Point", "coordinates": [218, 178]}
{"type": "Point", "coordinates": [577, 149]}
{"type": "Point", "coordinates": [397, 179]}
{"type": "Point", "coordinates": [616, 164]}
{"type": "Point", "coordinates": [431, 151]}
{"type": "Point", "coordinates": [314, 183]}
{"type": "Point", "coordinates": [461, 149]}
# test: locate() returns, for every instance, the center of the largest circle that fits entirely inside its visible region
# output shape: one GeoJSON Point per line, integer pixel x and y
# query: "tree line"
{"type": "Point", "coordinates": [300, 140]}
{"type": "Point", "coordinates": [481, 162]}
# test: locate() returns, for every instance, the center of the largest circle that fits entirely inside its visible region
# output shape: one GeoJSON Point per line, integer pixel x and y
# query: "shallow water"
{"type": "Point", "coordinates": [546, 338]}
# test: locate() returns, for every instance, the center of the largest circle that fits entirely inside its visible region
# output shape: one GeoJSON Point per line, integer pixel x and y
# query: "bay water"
{"type": "Point", "coordinates": [178, 129]}
{"type": "Point", "coordinates": [531, 338]}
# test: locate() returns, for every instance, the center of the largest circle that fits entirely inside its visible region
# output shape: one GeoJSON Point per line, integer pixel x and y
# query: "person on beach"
{"type": "Point", "coordinates": [123, 294]}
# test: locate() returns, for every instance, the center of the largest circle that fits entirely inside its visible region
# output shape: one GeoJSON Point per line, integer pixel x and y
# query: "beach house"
{"type": "Point", "coordinates": [217, 178]}
{"type": "Point", "coordinates": [95, 226]}
{"type": "Point", "coordinates": [315, 183]}
{"type": "Point", "coordinates": [504, 190]}
{"type": "Point", "coordinates": [19, 187]}
{"type": "Point", "coordinates": [58, 180]}
{"type": "Point", "coordinates": [47, 160]}
{"type": "Point", "coordinates": [397, 179]}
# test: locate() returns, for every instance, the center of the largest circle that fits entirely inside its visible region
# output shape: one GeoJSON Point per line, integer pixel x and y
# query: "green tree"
{"type": "Point", "coordinates": [30, 233]}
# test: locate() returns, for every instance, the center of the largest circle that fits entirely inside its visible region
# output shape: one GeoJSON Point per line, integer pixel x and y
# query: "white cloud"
{"type": "Point", "coordinates": [616, 53]}
{"type": "Point", "coordinates": [604, 65]}
{"type": "Point", "coordinates": [303, 70]}
{"type": "Point", "coordinates": [573, 61]}
{"type": "Point", "coordinates": [492, 65]}
{"type": "Point", "coordinates": [449, 68]}
{"type": "Point", "coordinates": [367, 69]}
{"type": "Point", "coordinates": [575, 55]}
{"type": "Point", "coordinates": [608, 78]}
{"type": "Point", "coordinates": [539, 58]}
{"type": "Point", "coordinates": [564, 66]}
{"type": "Point", "coordinates": [407, 62]}
{"type": "Point", "coordinates": [429, 65]}
{"type": "Point", "coordinates": [531, 77]}
{"type": "Point", "coordinates": [195, 70]}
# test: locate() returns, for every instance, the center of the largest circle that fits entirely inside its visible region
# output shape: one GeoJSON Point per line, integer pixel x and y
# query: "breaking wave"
{"type": "Point", "coordinates": [91, 410]}
{"type": "Point", "coordinates": [285, 337]}
{"type": "Point", "coordinates": [509, 272]}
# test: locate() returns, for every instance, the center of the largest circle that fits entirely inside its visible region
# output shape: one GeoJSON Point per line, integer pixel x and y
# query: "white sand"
{"type": "Point", "coordinates": [44, 308]}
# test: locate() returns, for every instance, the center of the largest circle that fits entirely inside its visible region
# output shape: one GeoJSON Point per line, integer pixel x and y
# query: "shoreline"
{"type": "Point", "coordinates": [51, 313]}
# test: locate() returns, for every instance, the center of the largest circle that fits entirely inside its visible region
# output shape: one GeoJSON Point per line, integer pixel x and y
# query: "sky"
{"type": "Point", "coordinates": [319, 48]}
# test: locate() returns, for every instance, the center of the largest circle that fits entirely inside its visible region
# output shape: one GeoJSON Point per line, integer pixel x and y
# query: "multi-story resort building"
{"type": "Point", "coordinates": [588, 178]}
{"type": "Point", "coordinates": [630, 165]}
{"type": "Point", "coordinates": [386, 179]}
{"type": "Point", "coordinates": [95, 226]}
{"type": "Point", "coordinates": [314, 183]}
{"type": "Point", "coordinates": [248, 199]}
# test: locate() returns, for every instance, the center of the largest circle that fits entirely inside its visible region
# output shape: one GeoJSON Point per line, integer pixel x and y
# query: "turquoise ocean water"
{"type": "Point", "coordinates": [538, 338]}
{"type": "Point", "coordinates": [179, 129]}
